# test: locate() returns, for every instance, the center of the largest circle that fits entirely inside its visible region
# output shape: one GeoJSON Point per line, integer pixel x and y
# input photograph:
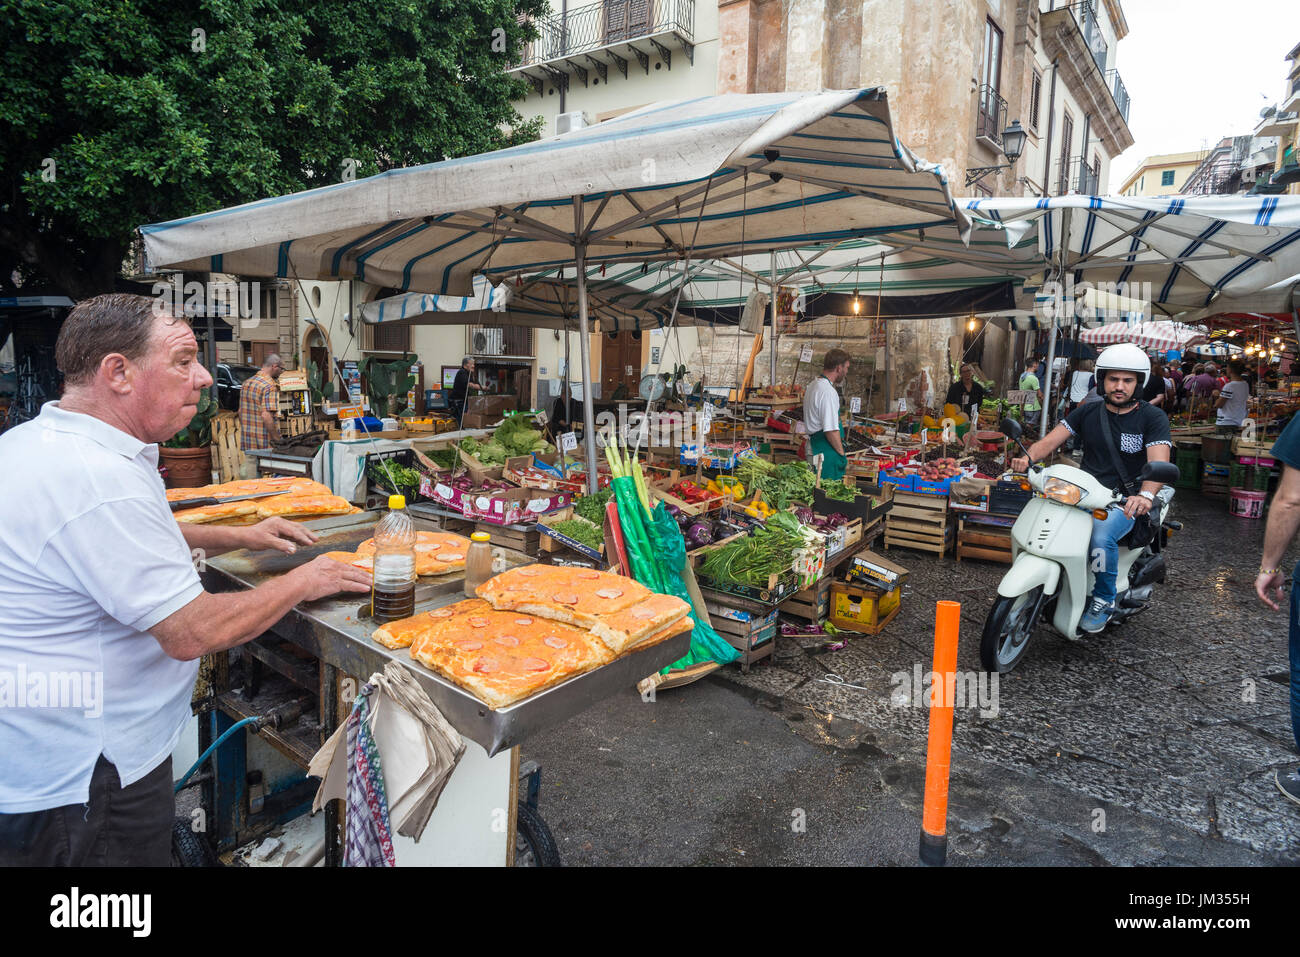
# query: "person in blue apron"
{"type": "Point", "coordinates": [821, 415]}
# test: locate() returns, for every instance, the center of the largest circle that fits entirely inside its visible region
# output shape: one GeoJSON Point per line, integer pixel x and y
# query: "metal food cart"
{"type": "Point", "coordinates": [299, 679]}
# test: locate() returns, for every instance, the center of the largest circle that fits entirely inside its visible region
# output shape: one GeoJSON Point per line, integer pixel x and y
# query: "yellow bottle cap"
{"type": "Point", "coordinates": [397, 501]}
{"type": "Point", "coordinates": [480, 537]}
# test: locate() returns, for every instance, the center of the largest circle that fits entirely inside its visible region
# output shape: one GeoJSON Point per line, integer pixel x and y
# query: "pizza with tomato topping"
{"type": "Point", "coordinates": [436, 553]}
{"type": "Point", "coordinates": [575, 596]}
{"type": "Point", "coordinates": [504, 656]}
{"type": "Point", "coordinates": [406, 632]}
{"type": "Point", "coordinates": [635, 625]}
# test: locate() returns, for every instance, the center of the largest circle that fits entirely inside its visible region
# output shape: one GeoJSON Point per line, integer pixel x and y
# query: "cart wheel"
{"type": "Point", "coordinates": [534, 844]}
{"type": "Point", "coordinates": [188, 848]}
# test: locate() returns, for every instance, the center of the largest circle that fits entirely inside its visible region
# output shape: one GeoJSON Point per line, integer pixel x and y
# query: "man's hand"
{"type": "Point", "coordinates": [325, 576]}
{"type": "Point", "coordinates": [1136, 505]}
{"type": "Point", "coordinates": [1020, 464]}
{"type": "Point", "coordinates": [1266, 582]}
{"type": "Point", "coordinates": [280, 534]}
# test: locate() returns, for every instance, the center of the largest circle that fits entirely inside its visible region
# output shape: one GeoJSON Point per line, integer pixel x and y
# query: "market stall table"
{"type": "Point", "coordinates": [332, 654]}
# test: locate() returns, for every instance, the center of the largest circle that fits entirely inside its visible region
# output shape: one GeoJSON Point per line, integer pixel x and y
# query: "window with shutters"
{"type": "Point", "coordinates": [390, 337]}
{"type": "Point", "coordinates": [626, 19]}
{"type": "Point", "coordinates": [1063, 159]}
{"type": "Point", "coordinates": [1167, 177]}
{"type": "Point", "coordinates": [1035, 99]}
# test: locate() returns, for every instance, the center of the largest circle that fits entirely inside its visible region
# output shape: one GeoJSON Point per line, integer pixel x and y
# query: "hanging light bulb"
{"type": "Point", "coordinates": [857, 303]}
{"type": "Point", "coordinates": [970, 326]}
{"type": "Point", "coordinates": [1276, 340]}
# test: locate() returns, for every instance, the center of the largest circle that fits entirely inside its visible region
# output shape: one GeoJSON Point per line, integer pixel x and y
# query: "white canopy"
{"type": "Point", "coordinates": [706, 177]}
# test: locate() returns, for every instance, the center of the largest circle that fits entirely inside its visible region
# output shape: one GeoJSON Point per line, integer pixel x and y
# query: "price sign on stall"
{"type": "Point", "coordinates": [902, 405]}
{"type": "Point", "coordinates": [805, 354]}
{"type": "Point", "coordinates": [568, 442]}
{"type": "Point", "coordinates": [706, 418]}
{"type": "Point", "coordinates": [855, 404]}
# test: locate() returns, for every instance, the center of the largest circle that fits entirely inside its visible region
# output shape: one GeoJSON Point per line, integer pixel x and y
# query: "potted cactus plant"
{"type": "Point", "coordinates": [387, 383]}
{"type": "Point", "coordinates": [187, 455]}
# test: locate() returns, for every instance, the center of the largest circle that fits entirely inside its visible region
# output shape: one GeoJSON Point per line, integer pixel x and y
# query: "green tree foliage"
{"type": "Point", "coordinates": [116, 113]}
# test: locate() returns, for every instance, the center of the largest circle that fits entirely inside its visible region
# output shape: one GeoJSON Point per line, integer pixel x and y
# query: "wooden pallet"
{"type": "Point", "coordinates": [528, 542]}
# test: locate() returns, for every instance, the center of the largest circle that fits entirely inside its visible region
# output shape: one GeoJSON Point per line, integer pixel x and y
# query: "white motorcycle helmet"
{"type": "Point", "coordinates": [1124, 357]}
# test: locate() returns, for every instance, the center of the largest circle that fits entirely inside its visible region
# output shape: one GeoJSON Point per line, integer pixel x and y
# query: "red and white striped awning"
{"type": "Point", "coordinates": [1157, 335]}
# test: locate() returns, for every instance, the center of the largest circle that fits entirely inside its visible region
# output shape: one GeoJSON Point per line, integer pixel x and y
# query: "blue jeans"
{"type": "Point", "coordinates": [1103, 551]}
{"type": "Point", "coordinates": [1295, 659]}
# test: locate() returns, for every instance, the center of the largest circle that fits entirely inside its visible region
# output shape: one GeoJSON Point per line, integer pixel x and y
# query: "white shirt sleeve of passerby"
{"type": "Point", "coordinates": [129, 557]}
{"type": "Point", "coordinates": [821, 411]}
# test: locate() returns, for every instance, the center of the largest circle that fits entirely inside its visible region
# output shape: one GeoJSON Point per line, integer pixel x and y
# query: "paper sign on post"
{"type": "Point", "coordinates": [706, 418]}
{"type": "Point", "coordinates": [541, 418]}
{"type": "Point", "coordinates": [902, 405]}
{"type": "Point", "coordinates": [855, 404]}
{"type": "Point", "coordinates": [805, 354]}
{"type": "Point", "coordinates": [568, 442]}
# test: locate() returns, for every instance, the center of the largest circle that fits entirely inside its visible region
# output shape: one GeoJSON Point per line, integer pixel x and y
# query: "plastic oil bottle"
{"type": "Point", "coordinates": [478, 563]}
{"type": "Point", "coordinates": [392, 595]}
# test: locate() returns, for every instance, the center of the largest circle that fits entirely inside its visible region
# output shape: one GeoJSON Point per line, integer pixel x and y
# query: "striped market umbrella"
{"type": "Point", "coordinates": [1159, 335]}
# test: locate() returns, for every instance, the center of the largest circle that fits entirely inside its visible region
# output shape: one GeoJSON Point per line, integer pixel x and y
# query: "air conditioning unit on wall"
{"type": "Point", "coordinates": [568, 122]}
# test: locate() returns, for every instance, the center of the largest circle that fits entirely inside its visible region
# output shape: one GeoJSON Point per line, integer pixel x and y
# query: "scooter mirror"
{"type": "Point", "coordinates": [1166, 473]}
{"type": "Point", "coordinates": [1010, 428]}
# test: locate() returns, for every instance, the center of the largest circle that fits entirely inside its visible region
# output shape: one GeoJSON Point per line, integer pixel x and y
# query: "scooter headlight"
{"type": "Point", "coordinates": [1059, 490]}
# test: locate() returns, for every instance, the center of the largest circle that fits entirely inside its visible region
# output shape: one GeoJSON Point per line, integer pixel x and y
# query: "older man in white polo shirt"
{"type": "Point", "coordinates": [102, 615]}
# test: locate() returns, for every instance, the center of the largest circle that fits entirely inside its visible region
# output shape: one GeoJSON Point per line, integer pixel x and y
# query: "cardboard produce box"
{"type": "Point", "coordinates": [869, 568]}
{"type": "Point", "coordinates": [516, 506]}
{"type": "Point", "coordinates": [863, 608]}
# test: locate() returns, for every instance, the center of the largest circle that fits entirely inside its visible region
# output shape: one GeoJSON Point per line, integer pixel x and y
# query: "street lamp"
{"type": "Point", "coordinates": [1013, 144]}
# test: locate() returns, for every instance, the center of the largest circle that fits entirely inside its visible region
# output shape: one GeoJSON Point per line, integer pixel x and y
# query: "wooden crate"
{"type": "Point", "coordinates": [528, 542]}
{"type": "Point", "coordinates": [227, 459]}
{"type": "Point", "coordinates": [920, 522]}
{"type": "Point", "coordinates": [979, 540]}
{"type": "Point", "coordinates": [813, 603]}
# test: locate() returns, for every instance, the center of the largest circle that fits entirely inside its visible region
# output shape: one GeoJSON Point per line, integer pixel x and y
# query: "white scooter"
{"type": "Point", "coordinates": [1051, 570]}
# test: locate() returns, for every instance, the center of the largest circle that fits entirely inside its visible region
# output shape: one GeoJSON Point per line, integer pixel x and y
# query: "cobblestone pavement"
{"type": "Point", "coordinates": [1155, 742]}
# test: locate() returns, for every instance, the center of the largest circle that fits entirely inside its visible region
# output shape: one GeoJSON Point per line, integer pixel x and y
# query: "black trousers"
{"type": "Point", "coordinates": [118, 827]}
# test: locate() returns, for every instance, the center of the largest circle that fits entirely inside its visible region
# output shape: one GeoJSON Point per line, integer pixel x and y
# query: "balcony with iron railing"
{"type": "Point", "coordinates": [1074, 37]}
{"type": "Point", "coordinates": [1077, 176]}
{"type": "Point", "coordinates": [1085, 16]}
{"type": "Point", "coordinates": [592, 37]}
{"type": "Point", "coordinates": [990, 117]}
{"type": "Point", "coordinates": [1118, 92]}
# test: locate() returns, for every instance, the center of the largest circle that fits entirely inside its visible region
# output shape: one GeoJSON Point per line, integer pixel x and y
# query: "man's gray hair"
{"type": "Point", "coordinates": [466, 361]}
{"type": "Point", "coordinates": [272, 360]}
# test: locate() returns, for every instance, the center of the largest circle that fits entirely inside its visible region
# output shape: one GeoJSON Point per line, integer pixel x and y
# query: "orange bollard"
{"type": "Point", "coordinates": [938, 754]}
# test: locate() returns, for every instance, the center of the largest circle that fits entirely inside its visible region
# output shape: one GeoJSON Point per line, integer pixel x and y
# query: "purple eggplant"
{"type": "Point", "coordinates": [699, 534]}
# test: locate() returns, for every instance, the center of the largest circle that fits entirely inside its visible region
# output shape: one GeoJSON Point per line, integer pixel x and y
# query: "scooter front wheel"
{"type": "Point", "coordinates": [1008, 628]}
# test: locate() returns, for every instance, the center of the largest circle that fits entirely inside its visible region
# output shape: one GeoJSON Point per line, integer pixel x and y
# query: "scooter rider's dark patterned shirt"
{"type": "Point", "coordinates": [1135, 431]}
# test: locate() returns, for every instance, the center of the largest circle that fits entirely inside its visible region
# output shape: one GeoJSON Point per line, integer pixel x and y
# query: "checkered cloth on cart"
{"type": "Point", "coordinates": [257, 394]}
{"type": "Point", "coordinates": [369, 834]}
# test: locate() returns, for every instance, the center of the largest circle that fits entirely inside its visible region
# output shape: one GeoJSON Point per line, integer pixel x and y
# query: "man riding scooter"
{"type": "Point", "coordinates": [1119, 435]}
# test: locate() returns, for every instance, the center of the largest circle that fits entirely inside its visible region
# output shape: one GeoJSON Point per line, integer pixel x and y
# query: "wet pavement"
{"type": "Point", "coordinates": [1153, 743]}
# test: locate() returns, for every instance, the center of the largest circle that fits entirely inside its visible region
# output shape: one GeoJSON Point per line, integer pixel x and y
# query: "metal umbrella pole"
{"type": "Point", "coordinates": [584, 348]}
{"type": "Point", "coordinates": [1044, 412]}
{"type": "Point", "coordinates": [774, 289]}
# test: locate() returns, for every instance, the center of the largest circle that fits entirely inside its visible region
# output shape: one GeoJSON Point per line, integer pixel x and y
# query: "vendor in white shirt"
{"type": "Point", "coordinates": [102, 614]}
{"type": "Point", "coordinates": [821, 415]}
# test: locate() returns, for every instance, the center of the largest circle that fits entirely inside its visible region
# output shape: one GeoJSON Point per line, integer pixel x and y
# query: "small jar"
{"type": "Point", "coordinates": [478, 563]}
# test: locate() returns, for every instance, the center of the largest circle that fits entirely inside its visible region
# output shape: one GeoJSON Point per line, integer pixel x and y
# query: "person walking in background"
{"type": "Point", "coordinates": [821, 415]}
{"type": "Point", "coordinates": [259, 407]}
{"type": "Point", "coordinates": [1029, 382]}
{"type": "Point", "coordinates": [1232, 401]}
{"type": "Point", "coordinates": [1283, 521]}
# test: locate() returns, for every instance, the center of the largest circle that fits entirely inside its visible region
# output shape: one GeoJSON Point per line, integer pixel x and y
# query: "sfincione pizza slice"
{"type": "Point", "coordinates": [297, 506]}
{"type": "Point", "coordinates": [366, 562]}
{"type": "Point", "coordinates": [502, 657]}
{"type": "Point", "coordinates": [443, 615]}
{"type": "Point", "coordinates": [436, 553]}
{"type": "Point", "coordinates": [676, 628]}
{"type": "Point", "coordinates": [575, 596]}
{"type": "Point", "coordinates": [628, 628]}
{"type": "Point", "coordinates": [405, 632]}
{"type": "Point", "coordinates": [221, 512]}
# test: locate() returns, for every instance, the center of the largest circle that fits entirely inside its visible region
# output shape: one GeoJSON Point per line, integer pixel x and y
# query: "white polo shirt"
{"type": "Point", "coordinates": [821, 407]}
{"type": "Point", "coordinates": [90, 559]}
